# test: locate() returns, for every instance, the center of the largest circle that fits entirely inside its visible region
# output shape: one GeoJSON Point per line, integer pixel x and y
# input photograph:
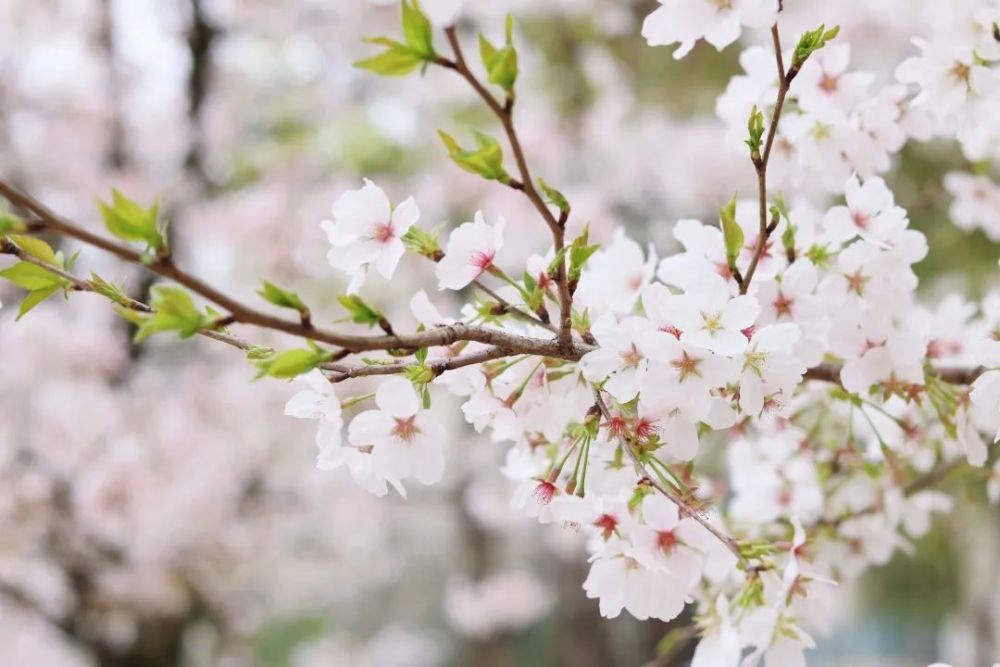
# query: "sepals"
{"type": "Point", "coordinates": [134, 223]}
{"type": "Point", "coordinates": [485, 160]}
{"type": "Point", "coordinates": [423, 243]}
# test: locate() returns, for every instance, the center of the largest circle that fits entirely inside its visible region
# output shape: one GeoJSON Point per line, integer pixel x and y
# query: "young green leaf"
{"type": "Point", "coordinates": [131, 222]}
{"type": "Point", "coordinates": [174, 310]}
{"type": "Point", "coordinates": [485, 160]}
{"type": "Point", "coordinates": [755, 128]}
{"type": "Point", "coordinates": [32, 277]}
{"type": "Point", "coordinates": [810, 42]}
{"type": "Point", "coordinates": [38, 249]}
{"type": "Point", "coordinates": [500, 63]}
{"type": "Point", "coordinates": [34, 298]}
{"type": "Point", "coordinates": [289, 364]}
{"type": "Point", "coordinates": [553, 196]}
{"type": "Point", "coordinates": [417, 30]}
{"type": "Point", "coordinates": [359, 311]}
{"type": "Point", "coordinates": [397, 60]}
{"type": "Point", "coordinates": [732, 233]}
{"type": "Point", "coordinates": [282, 298]}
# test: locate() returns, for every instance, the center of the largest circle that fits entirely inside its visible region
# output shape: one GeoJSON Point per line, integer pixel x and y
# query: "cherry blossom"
{"type": "Point", "coordinates": [366, 231]}
{"type": "Point", "coordinates": [472, 249]}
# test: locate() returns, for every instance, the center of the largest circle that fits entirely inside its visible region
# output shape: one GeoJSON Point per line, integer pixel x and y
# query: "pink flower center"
{"type": "Point", "coordinates": [861, 219]}
{"type": "Point", "coordinates": [782, 305]}
{"type": "Point", "coordinates": [645, 427]}
{"type": "Point", "coordinates": [482, 260]}
{"type": "Point", "coordinates": [608, 523]}
{"type": "Point", "coordinates": [543, 492]}
{"type": "Point", "coordinates": [383, 233]}
{"type": "Point", "coordinates": [405, 429]}
{"type": "Point", "coordinates": [829, 83]}
{"type": "Point", "coordinates": [671, 329]}
{"type": "Point", "coordinates": [667, 541]}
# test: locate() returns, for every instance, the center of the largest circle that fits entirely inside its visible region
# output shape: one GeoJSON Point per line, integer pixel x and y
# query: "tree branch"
{"type": "Point", "coordinates": [557, 227]}
{"type": "Point", "coordinates": [760, 164]}
{"type": "Point", "coordinates": [685, 508]}
{"type": "Point", "coordinates": [243, 314]}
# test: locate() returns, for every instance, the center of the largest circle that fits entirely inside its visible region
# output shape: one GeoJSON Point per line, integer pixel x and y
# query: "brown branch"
{"type": "Point", "coordinates": [346, 372]}
{"type": "Point", "coordinates": [76, 284]}
{"type": "Point", "coordinates": [953, 375]}
{"type": "Point", "coordinates": [685, 508]}
{"type": "Point", "coordinates": [243, 314]}
{"type": "Point", "coordinates": [557, 227]}
{"type": "Point", "coordinates": [760, 163]}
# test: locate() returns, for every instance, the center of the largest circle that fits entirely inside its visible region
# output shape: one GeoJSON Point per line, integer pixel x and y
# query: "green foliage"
{"type": "Point", "coordinates": [755, 128]}
{"type": "Point", "coordinates": [359, 311]}
{"type": "Point", "coordinates": [38, 281]}
{"type": "Point", "coordinates": [133, 223]}
{"type": "Point", "coordinates": [174, 310]}
{"type": "Point", "coordinates": [500, 63]}
{"type": "Point", "coordinates": [283, 298]}
{"type": "Point", "coordinates": [732, 233]}
{"type": "Point", "coordinates": [553, 196]}
{"type": "Point", "coordinates": [290, 364]}
{"type": "Point", "coordinates": [401, 58]}
{"type": "Point", "coordinates": [579, 252]}
{"type": "Point", "coordinates": [276, 643]}
{"type": "Point", "coordinates": [485, 160]}
{"type": "Point", "coordinates": [10, 223]}
{"type": "Point", "coordinates": [810, 42]}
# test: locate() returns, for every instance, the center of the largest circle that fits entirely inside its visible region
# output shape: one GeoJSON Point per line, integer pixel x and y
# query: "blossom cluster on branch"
{"type": "Point", "coordinates": [787, 332]}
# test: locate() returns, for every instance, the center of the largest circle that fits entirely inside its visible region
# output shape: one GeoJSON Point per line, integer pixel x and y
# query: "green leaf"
{"type": "Point", "coordinates": [37, 248]}
{"type": "Point", "coordinates": [359, 311]}
{"type": "Point", "coordinates": [486, 159]}
{"type": "Point", "coordinates": [755, 128]}
{"type": "Point", "coordinates": [501, 64]}
{"type": "Point", "coordinates": [579, 252]}
{"type": "Point", "coordinates": [282, 298]}
{"type": "Point", "coordinates": [417, 30]}
{"type": "Point", "coordinates": [732, 233]}
{"type": "Point", "coordinates": [553, 196]}
{"type": "Point", "coordinates": [34, 298]}
{"type": "Point", "coordinates": [175, 310]}
{"type": "Point", "coordinates": [131, 222]}
{"type": "Point", "coordinates": [809, 43]}
{"type": "Point", "coordinates": [32, 277]}
{"type": "Point", "coordinates": [397, 60]}
{"type": "Point", "coordinates": [10, 223]}
{"type": "Point", "coordinates": [292, 363]}
{"type": "Point", "coordinates": [107, 290]}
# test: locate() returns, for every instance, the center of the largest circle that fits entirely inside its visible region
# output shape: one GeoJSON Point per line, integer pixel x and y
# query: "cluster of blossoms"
{"type": "Point", "coordinates": [789, 334]}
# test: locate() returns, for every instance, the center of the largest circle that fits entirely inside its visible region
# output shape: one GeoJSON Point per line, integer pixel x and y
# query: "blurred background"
{"type": "Point", "coordinates": [157, 509]}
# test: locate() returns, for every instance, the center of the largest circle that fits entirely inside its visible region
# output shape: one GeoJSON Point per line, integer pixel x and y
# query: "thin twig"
{"type": "Point", "coordinates": [686, 509]}
{"type": "Point", "coordinates": [557, 227]}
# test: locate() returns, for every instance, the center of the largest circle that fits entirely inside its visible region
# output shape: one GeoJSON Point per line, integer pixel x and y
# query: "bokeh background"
{"type": "Point", "coordinates": [157, 508]}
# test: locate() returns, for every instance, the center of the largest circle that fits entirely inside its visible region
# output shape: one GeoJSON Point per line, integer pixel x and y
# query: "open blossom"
{"type": "Point", "coordinates": [402, 440]}
{"type": "Point", "coordinates": [871, 212]}
{"type": "Point", "coordinates": [976, 204]}
{"type": "Point", "coordinates": [367, 231]}
{"type": "Point", "coordinates": [771, 370]}
{"type": "Point", "coordinates": [621, 579]}
{"type": "Point", "coordinates": [719, 22]}
{"type": "Point", "coordinates": [713, 319]}
{"type": "Point", "coordinates": [622, 358]}
{"type": "Point", "coordinates": [948, 74]}
{"type": "Point", "coordinates": [317, 400]}
{"type": "Point", "coordinates": [472, 248]}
